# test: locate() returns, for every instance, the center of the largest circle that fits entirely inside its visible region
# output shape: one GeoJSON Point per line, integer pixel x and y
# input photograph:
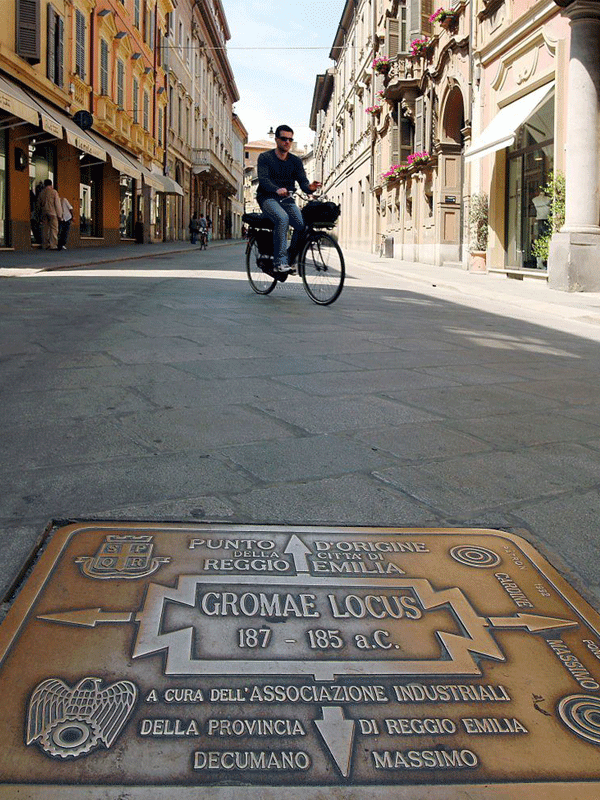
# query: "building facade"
{"type": "Point", "coordinates": [476, 105]}
{"type": "Point", "coordinates": [85, 100]}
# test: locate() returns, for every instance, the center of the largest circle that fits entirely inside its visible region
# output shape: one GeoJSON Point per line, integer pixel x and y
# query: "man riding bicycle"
{"type": "Point", "coordinates": [278, 171]}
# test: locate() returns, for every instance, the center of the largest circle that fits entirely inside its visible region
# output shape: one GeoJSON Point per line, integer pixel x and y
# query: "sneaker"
{"type": "Point", "coordinates": [283, 268]}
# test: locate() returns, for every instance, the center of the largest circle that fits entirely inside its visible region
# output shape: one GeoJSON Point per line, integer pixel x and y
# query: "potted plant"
{"type": "Point", "coordinates": [381, 64]}
{"type": "Point", "coordinates": [418, 159]}
{"type": "Point", "coordinates": [394, 173]}
{"type": "Point", "coordinates": [418, 47]}
{"type": "Point", "coordinates": [478, 231]}
{"type": "Point", "coordinates": [445, 17]}
{"type": "Point", "coordinates": [373, 110]}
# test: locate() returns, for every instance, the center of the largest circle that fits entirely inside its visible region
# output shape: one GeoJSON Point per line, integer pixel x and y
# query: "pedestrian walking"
{"type": "Point", "coordinates": [194, 229]}
{"type": "Point", "coordinates": [208, 228]}
{"type": "Point", "coordinates": [50, 213]}
{"type": "Point", "coordinates": [65, 224]}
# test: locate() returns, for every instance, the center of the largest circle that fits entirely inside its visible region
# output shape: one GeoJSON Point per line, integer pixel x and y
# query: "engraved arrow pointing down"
{"type": "Point", "coordinates": [299, 551]}
{"type": "Point", "coordinates": [338, 735]}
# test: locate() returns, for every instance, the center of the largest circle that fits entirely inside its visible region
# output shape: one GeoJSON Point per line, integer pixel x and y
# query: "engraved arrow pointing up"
{"type": "Point", "coordinates": [299, 551]}
{"type": "Point", "coordinates": [532, 622]}
{"type": "Point", "coordinates": [88, 617]}
{"type": "Point", "coordinates": [338, 735]}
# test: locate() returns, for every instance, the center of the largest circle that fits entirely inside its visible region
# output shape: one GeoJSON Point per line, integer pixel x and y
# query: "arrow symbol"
{"type": "Point", "coordinates": [338, 735]}
{"type": "Point", "coordinates": [88, 617]}
{"type": "Point", "coordinates": [532, 622]}
{"type": "Point", "coordinates": [299, 551]}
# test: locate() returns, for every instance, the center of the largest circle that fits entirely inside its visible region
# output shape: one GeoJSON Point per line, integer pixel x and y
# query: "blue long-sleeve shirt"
{"type": "Point", "coordinates": [275, 173]}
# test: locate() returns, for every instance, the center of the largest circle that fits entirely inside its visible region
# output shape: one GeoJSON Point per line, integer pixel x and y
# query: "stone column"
{"type": "Point", "coordinates": [574, 262]}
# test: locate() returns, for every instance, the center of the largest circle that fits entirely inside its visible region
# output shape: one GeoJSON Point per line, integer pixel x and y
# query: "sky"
{"type": "Point", "coordinates": [276, 85]}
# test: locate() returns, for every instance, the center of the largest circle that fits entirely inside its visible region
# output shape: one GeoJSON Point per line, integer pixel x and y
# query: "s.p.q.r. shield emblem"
{"type": "Point", "coordinates": [122, 556]}
{"type": "Point", "coordinates": [69, 722]}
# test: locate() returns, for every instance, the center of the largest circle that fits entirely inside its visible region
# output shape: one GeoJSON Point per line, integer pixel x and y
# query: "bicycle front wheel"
{"type": "Point", "coordinates": [322, 268]}
{"type": "Point", "coordinates": [260, 281]}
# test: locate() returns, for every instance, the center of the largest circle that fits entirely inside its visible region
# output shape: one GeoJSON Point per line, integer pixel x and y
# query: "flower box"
{"type": "Point", "coordinates": [381, 64]}
{"type": "Point", "coordinates": [374, 110]}
{"type": "Point", "coordinates": [418, 159]}
{"type": "Point", "coordinates": [419, 47]}
{"type": "Point", "coordinates": [394, 173]}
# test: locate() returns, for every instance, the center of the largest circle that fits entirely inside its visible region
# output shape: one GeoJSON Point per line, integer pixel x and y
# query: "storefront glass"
{"type": "Point", "coordinates": [127, 207]}
{"type": "Point", "coordinates": [3, 214]}
{"type": "Point", "coordinates": [42, 159]}
{"type": "Point", "coordinates": [90, 186]}
{"type": "Point", "coordinates": [530, 162]}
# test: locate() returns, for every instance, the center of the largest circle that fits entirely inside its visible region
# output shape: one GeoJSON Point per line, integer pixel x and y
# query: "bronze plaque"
{"type": "Point", "coordinates": [259, 662]}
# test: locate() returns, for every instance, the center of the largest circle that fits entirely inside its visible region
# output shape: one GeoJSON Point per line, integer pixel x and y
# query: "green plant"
{"type": "Point", "coordinates": [478, 221]}
{"type": "Point", "coordinates": [555, 189]}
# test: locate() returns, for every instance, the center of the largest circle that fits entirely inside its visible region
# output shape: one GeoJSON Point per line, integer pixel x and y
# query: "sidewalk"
{"type": "Point", "coordinates": [528, 294]}
{"type": "Point", "coordinates": [23, 263]}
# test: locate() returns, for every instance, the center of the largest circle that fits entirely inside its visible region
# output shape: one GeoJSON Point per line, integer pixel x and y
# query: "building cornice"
{"type": "Point", "coordinates": [518, 30]}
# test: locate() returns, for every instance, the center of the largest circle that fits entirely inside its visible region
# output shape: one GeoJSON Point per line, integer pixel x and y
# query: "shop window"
{"type": "Point", "coordinates": [127, 207]}
{"type": "Point", "coordinates": [27, 30]}
{"type": "Point", "coordinates": [90, 196]}
{"type": "Point", "coordinates": [42, 160]}
{"type": "Point", "coordinates": [55, 47]}
{"type": "Point", "coordinates": [3, 209]}
{"type": "Point", "coordinates": [530, 162]}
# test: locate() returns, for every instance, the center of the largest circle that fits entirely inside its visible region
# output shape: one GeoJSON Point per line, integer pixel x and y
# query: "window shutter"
{"type": "Point", "coordinates": [80, 44]}
{"type": "Point", "coordinates": [146, 111]}
{"type": "Point", "coordinates": [426, 12]}
{"type": "Point", "coordinates": [135, 100]}
{"type": "Point", "coordinates": [120, 84]}
{"type": "Point", "coordinates": [103, 67]}
{"type": "Point", "coordinates": [395, 143]}
{"type": "Point", "coordinates": [415, 19]}
{"type": "Point", "coordinates": [393, 38]}
{"type": "Point", "coordinates": [403, 44]}
{"type": "Point", "coordinates": [419, 140]}
{"type": "Point", "coordinates": [60, 36]}
{"type": "Point", "coordinates": [28, 30]}
{"type": "Point", "coordinates": [406, 139]}
{"type": "Point", "coordinates": [50, 43]}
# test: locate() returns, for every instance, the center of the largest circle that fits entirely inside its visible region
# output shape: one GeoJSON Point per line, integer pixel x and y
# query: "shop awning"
{"type": "Point", "coordinates": [162, 183]}
{"type": "Point", "coordinates": [122, 162]}
{"type": "Point", "coordinates": [16, 102]}
{"type": "Point", "coordinates": [75, 136]}
{"type": "Point", "coordinates": [502, 129]}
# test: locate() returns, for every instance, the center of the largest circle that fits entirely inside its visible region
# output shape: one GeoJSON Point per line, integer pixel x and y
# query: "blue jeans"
{"type": "Point", "coordinates": [284, 213]}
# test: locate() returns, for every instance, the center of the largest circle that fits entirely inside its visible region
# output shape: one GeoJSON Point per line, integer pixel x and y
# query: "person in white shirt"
{"type": "Point", "coordinates": [65, 223]}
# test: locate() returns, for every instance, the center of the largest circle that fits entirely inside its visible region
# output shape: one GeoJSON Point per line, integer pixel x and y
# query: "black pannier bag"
{"type": "Point", "coordinates": [257, 221]}
{"type": "Point", "coordinates": [320, 214]}
{"type": "Point", "coordinates": [264, 240]}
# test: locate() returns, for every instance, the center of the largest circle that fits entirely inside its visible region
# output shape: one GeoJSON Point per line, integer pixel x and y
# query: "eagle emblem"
{"type": "Point", "coordinates": [69, 722]}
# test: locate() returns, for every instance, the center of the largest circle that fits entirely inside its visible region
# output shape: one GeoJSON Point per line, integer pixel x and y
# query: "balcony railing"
{"type": "Point", "coordinates": [404, 71]}
{"type": "Point", "coordinates": [216, 169]}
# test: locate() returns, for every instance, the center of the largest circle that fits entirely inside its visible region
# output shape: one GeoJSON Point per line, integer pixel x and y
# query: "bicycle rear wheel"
{"type": "Point", "coordinates": [322, 268]}
{"type": "Point", "coordinates": [260, 281]}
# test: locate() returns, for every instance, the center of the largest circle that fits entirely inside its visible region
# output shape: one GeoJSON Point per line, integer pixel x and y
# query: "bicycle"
{"type": "Point", "coordinates": [321, 264]}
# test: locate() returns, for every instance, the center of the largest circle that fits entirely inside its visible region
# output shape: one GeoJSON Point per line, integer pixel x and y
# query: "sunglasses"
{"type": "Point", "coordinates": [285, 138]}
